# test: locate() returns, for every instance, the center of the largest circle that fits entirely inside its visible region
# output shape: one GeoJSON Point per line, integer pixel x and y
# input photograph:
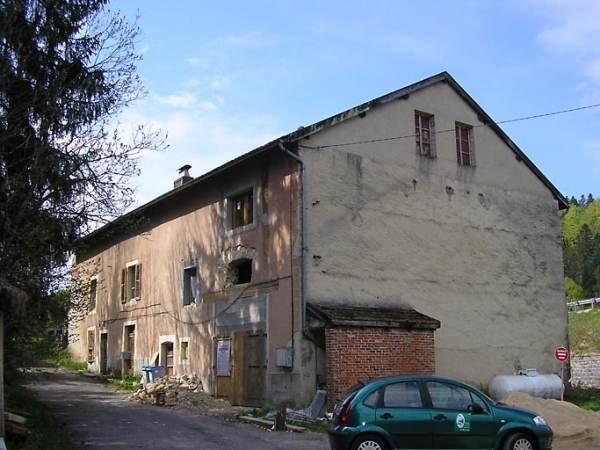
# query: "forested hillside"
{"type": "Point", "coordinates": [581, 247]}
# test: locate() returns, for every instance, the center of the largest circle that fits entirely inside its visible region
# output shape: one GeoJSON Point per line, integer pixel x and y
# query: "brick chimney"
{"type": "Point", "coordinates": [185, 176]}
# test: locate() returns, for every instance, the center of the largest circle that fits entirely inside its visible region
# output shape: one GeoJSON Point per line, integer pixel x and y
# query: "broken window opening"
{"type": "Point", "coordinates": [190, 286]}
{"type": "Point", "coordinates": [241, 271]}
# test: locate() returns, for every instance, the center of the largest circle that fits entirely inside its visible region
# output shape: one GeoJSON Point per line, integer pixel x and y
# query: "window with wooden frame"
{"type": "Point", "coordinates": [131, 284]}
{"type": "Point", "coordinates": [464, 144]}
{"type": "Point", "coordinates": [242, 209]}
{"type": "Point", "coordinates": [93, 296]}
{"type": "Point", "coordinates": [425, 134]}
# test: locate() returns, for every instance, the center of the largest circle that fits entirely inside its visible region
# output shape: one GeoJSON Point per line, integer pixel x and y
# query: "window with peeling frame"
{"type": "Point", "coordinates": [464, 145]}
{"type": "Point", "coordinates": [425, 134]}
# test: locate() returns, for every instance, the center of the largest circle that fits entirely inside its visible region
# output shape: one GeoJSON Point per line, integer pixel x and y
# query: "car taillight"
{"type": "Point", "coordinates": [344, 418]}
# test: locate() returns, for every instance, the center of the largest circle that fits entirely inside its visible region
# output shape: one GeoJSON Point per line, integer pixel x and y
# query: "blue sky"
{"type": "Point", "coordinates": [226, 77]}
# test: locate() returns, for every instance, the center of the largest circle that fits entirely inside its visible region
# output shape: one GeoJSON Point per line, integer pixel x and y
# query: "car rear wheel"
{"type": "Point", "coordinates": [369, 442]}
{"type": "Point", "coordinates": [519, 441]}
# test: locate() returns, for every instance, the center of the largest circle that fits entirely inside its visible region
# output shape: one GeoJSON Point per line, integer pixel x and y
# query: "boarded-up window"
{"type": "Point", "coordinates": [183, 351]}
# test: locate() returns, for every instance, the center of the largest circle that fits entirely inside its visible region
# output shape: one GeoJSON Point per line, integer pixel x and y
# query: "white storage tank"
{"type": "Point", "coordinates": [529, 382]}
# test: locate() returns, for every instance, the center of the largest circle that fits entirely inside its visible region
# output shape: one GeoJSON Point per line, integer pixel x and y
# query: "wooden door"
{"type": "Point", "coordinates": [254, 369]}
{"type": "Point", "coordinates": [244, 384]}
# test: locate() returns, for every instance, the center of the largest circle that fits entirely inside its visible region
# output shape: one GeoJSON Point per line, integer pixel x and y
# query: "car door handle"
{"type": "Point", "coordinates": [440, 417]}
{"type": "Point", "coordinates": [386, 416]}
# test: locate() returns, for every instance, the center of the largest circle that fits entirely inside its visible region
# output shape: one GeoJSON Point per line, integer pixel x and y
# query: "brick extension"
{"type": "Point", "coordinates": [363, 342]}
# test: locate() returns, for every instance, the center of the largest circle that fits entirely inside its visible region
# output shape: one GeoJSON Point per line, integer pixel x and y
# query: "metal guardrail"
{"type": "Point", "coordinates": [589, 301]}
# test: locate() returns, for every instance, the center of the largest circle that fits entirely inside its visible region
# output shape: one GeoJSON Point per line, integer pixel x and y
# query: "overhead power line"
{"type": "Point", "coordinates": [406, 136]}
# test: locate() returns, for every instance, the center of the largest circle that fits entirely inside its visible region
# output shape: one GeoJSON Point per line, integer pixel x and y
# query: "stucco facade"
{"type": "Point", "coordinates": [476, 247]}
{"type": "Point", "coordinates": [345, 212]}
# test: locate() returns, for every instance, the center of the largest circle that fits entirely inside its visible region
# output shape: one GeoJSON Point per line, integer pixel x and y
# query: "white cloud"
{"type": "Point", "coordinates": [183, 100]}
{"type": "Point", "coordinates": [573, 36]}
{"type": "Point", "coordinates": [577, 27]}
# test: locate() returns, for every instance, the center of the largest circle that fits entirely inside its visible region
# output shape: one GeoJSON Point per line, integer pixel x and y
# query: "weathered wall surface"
{"type": "Point", "coordinates": [585, 370]}
{"type": "Point", "coordinates": [194, 227]}
{"type": "Point", "coordinates": [478, 248]}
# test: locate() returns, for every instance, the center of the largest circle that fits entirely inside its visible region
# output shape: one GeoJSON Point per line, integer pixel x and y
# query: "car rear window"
{"type": "Point", "coordinates": [347, 396]}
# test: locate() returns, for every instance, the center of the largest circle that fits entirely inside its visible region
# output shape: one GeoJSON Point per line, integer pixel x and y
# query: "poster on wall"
{"type": "Point", "coordinates": [223, 357]}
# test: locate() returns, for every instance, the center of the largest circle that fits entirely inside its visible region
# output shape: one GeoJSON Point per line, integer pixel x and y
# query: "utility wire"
{"type": "Point", "coordinates": [406, 136]}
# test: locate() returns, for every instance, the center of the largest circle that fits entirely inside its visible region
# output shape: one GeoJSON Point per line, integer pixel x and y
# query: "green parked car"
{"type": "Point", "coordinates": [428, 412]}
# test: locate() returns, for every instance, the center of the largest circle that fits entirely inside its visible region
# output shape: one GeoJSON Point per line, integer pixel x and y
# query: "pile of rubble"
{"type": "Point", "coordinates": [182, 391]}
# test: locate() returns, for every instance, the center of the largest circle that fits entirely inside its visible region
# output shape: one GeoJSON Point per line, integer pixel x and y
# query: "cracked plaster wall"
{"type": "Point", "coordinates": [478, 248]}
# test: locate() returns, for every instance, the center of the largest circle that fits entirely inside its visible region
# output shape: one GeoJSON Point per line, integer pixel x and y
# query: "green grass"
{"type": "Point", "coordinates": [584, 335]}
{"type": "Point", "coordinates": [584, 338]}
{"type": "Point", "coordinates": [67, 363]}
{"type": "Point", "coordinates": [586, 398]}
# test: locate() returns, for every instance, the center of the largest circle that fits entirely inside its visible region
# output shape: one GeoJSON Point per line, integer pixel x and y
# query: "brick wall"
{"type": "Point", "coordinates": [360, 353]}
{"type": "Point", "coordinates": [585, 370]}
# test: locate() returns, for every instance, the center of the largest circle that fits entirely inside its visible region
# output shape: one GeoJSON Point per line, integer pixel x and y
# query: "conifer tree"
{"type": "Point", "coordinates": [67, 69]}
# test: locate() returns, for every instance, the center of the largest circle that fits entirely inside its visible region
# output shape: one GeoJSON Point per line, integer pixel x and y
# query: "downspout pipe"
{"type": "Point", "coordinates": [302, 237]}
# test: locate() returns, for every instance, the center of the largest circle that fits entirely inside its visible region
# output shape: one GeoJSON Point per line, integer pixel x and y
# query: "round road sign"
{"type": "Point", "coordinates": [561, 354]}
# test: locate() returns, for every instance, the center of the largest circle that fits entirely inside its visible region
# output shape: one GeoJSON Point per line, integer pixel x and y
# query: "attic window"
{"type": "Point", "coordinates": [425, 134]}
{"type": "Point", "coordinates": [241, 271]}
{"type": "Point", "coordinates": [464, 145]}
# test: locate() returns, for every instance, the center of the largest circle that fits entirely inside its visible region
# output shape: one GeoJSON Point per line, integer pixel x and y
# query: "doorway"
{"type": "Point", "coordinates": [241, 368]}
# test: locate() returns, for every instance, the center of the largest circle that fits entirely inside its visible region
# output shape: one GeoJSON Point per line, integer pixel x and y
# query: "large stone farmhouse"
{"type": "Point", "coordinates": [406, 235]}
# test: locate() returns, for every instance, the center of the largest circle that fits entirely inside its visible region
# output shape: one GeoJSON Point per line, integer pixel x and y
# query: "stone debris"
{"type": "Point", "coordinates": [181, 391]}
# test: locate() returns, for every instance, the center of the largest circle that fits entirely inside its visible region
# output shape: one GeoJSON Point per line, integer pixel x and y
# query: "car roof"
{"type": "Point", "coordinates": [404, 377]}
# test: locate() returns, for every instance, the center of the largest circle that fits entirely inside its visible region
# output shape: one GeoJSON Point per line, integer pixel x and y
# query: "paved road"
{"type": "Point", "coordinates": [103, 419]}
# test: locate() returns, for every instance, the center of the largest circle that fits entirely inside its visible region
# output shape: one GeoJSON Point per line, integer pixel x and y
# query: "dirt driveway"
{"type": "Point", "coordinates": [103, 419]}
